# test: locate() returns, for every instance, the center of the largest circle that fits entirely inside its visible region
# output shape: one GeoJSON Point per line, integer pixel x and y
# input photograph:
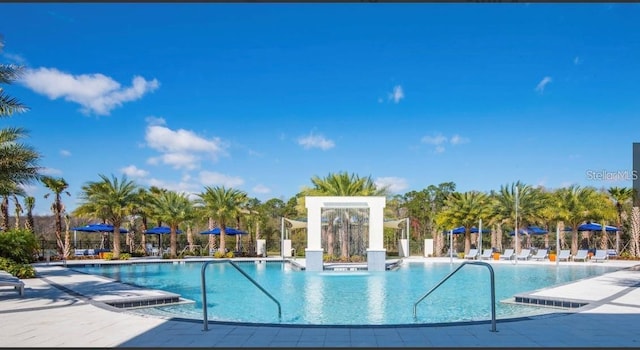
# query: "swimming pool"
{"type": "Point", "coordinates": [345, 298]}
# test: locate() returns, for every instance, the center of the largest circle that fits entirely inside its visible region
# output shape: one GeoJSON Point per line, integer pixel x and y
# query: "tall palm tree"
{"type": "Point", "coordinates": [29, 203]}
{"type": "Point", "coordinates": [530, 203]}
{"type": "Point", "coordinates": [464, 209]}
{"type": "Point", "coordinates": [620, 196]}
{"type": "Point", "coordinates": [575, 207]}
{"type": "Point", "coordinates": [341, 184]}
{"type": "Point", "coordinates": [109, 198]}
{"type": "Point", "coordinates": [8, 74]}
{"type": "Point", "coordinates": [57, 186]}
{"type": "Point", "coordinates": [173, 209]}
{"type": "Point", "coordinates": [223, 205]}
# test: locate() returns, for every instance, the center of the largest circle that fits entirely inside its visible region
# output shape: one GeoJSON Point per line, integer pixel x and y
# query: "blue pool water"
{"type": "Point", "coordinates": [346, 298]}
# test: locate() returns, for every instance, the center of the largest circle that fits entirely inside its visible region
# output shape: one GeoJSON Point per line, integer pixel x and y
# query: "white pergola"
{"type": "Point", "coordinates": [376, 254]}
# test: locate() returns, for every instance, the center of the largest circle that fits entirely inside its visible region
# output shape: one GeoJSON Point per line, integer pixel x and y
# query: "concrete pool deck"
{"type": "Point", "coordinates": [64, 308]}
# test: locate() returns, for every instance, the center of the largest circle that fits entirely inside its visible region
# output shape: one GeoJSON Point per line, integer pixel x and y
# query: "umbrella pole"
{"type": "Point", "coordinates": [557, 244]}
{"type": "Point", "coordinates": [451, 247]}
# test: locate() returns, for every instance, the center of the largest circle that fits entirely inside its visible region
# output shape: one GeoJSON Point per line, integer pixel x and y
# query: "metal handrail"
{"type": "Point", "coordinates": [204, 289]}
{"type": "Point", "coordinates": [493, 290]}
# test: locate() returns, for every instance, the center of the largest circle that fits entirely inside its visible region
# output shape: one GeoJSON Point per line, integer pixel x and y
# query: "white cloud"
{"type": "Point", "coordinates": [440, 141]}
{"type": "Point", "coordinates": [397, 94]}
{"type": "Point", "coordinates": [458, 140]}
{"type": "Point", "coordinates": [577, 60]}
{"type": "Point", "coordinates": [316, 141]}
{"type": "Point", "coordinates": [180, 148]}
{"type": "Point", "coordinates": [393, 184]}
{"type": "Point", "coordinates": [189, 188]}
{"type": "Point", "coordinates": [133, 171]}
{"type": "Point", "coordinates": [151, 120]}
{"type": "Point", "coordinates": [51, 171]}
{"type": "Point", "coordinates": [96, 93]}
{"type": "Point", "coordinates": [262, 189]}
{"type": "Point", "coordinates": [434, 140]}
{"type": "Point", "coordinates": [541, 85]}
{"type": "Point", "coordinates": [65, 153]}
{"type": "Point", "coordinates": [212, 178]}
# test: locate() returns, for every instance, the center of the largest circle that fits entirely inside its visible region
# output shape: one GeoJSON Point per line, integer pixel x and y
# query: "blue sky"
{"type": "Point", "coordinates": [261, 97]}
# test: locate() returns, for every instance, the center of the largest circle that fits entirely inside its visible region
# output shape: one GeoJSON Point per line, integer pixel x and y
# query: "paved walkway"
{"type": "Point", "coordinates": [63, 308]}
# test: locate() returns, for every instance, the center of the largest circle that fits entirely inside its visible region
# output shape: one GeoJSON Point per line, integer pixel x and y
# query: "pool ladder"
{"type": "Point", "coordinates": [204, 288]}
{"type": "Point", "coordinates": [493, 290]}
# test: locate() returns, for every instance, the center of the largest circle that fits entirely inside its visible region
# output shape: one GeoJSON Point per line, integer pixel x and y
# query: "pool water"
{"type": "Point", "coordinates": [345, 298]}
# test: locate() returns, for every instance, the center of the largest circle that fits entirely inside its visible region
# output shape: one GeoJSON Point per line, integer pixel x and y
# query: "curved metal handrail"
{"type": "Point", "coordinates": [204, 289]}
{"type": "Point", "coordinates": [493, 290]}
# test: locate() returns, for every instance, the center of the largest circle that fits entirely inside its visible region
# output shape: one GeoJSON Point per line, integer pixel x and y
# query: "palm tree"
{"type": "Point", "coordinates": [341, 184]}
{"type": "Point", "coordinates": [18, 162]}
{"type": "Point", "coordinates": [110, 199]}
{"type": "Point", "coordinates": [620, 197]}
{"type": "Point", "coordinates": [57, 186]}
{"type": "Point", "coordinates": [223, 205]}
{"type": "Point", "coordinates": [464, 209]}
{"type": "Point", "coordinates": [173, 209]}
{"type": "Point", "coordinates": [29, 203]}
{"type": "Point", "coordinates": [575, 207]}
{"type": "Point", "coordinates": [8, 74]}
{"type": "Point", "coordinates": [530, 203]}
{"type": "Point", "coordinates": [7, 190]}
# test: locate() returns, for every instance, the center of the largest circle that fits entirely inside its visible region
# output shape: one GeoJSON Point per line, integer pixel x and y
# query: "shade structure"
{"type": "Point", "coordinates": [530, 230]}
{"type": "Point", "coordinates": [229, 231]}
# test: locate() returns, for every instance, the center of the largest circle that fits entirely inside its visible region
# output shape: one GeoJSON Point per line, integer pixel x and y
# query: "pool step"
{"type": "Point", "coordinates": [549, 301]}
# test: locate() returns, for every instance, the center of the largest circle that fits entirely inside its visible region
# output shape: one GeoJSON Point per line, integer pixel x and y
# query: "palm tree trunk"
{"type": "Point", "coordinates": [67, 239]}
{"type": "Point", "coordinates": [173, 239]}
{"type": "Point", "coordinates": [116, 239]}
{"type": "Point", "coordinates": [635, 232]}
{"type": "Point", "coordinates": [439, 243]}
{"type": "Point", "coordinates": [4, 210]}
{"type": "Point", "coordinates": [190, 238]}
{"type": "Point", "coordinates": [574, 240]}
{"type": "Point", "coordinates": [467, 241]}
{"type": "Point", "coordinates": [499, 235]}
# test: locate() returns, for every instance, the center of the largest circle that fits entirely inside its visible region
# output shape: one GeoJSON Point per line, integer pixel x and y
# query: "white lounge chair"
{"type": "Point", "coordinates": [541, 254]}
{"type": "Point", "coordinates": [508, 254]}
{"type": "Point", "coordinates": [473, 254]}
{"type": "Point", "coordinates": [486, 254]}
{"type": "Point", "coordinates": [600, 255]}
{"type": "Point", "coordinates": [565, 254]}
{"type": "Point", "coordinates": [582, 254]}
{"type": "Point", "coordinates": [8, 280]}
{"type": "Point", "coordinates": [525, 254]}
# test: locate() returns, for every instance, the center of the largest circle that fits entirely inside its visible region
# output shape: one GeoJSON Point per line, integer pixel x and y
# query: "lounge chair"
{"type": "Point", "coordinates": [565, 254]}
{"type": "Point", "coordinates": [8, 280]}
{"type": "Point", "coordinates": [486, 254]}
{"type": "Point", "coordinates": [600, 255]}
{"type": "Point", "coordinates": [525, 254]}
{"type": "Point", "coordinates": [473, 254]}
{"type": "Point", "coordinates": [508, 254]}
{"type": "Point", "coordinates": [582, 254]}
{"type": "Point", "coordinates": [541, 254]}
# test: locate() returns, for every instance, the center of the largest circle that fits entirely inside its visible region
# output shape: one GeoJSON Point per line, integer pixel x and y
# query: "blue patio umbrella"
{"type": "Point", "coordinates": [230, 231]}
{"type": "Point", "coordinates": [160, 230]}
{"type": "Point", "coordinates": [590, 226]}
{"type": "Point", "coordinates": [530, 230]}
{"type": "Point", "coordinates": [462, 229]}
{"type": "Point", "coordinates": [102, 227]}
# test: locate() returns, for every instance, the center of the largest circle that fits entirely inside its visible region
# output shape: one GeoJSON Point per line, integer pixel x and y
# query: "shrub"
{"type": "Point", "coordinates": [17, 269]}
{"type": "Point", "coordinates": [229, 255]}
{"type": "Point", "coordinates": [218, 254]}
{"type": "Point", "coordinates": [138, 253]}
{"type": "Point", "coordinates": [19, 245]}
{"type": "Point", "coordinates": [357, 258]}
{"type": "Point", "coordinates": [107, 256]}
{"type": "Point", "coordinates": [125, 256]}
